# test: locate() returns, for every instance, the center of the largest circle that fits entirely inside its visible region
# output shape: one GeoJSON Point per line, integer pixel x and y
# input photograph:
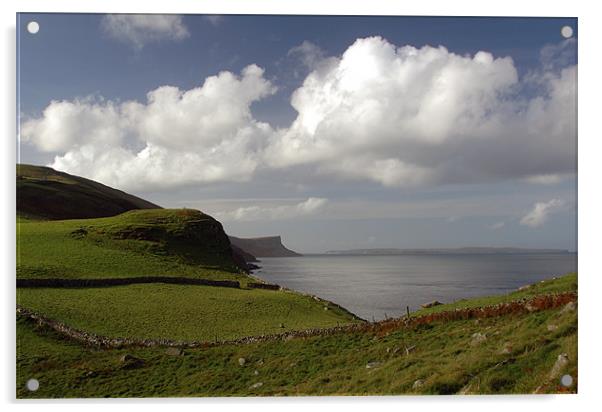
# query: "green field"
{"type": "Point", "coordinates": [516, 353]}
{"type": "Point", "coordinates": [133, 244]}
{"type": "Point", "coordinates": [442, 356]}
{"type": "Point", "coordinates": [182, 243]}
{"type": "Point", "coordinates": [181, 312]}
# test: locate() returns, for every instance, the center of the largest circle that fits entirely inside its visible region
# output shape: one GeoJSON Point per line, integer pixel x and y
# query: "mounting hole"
{"type": "Point", "coordinates": [33, 27]}
{"type": "Point", "coordinates": [566, 380]}
{"type": "Point", "coordinates": [32, 385]}
{"type": "Point", "coordinates": [566, 32]}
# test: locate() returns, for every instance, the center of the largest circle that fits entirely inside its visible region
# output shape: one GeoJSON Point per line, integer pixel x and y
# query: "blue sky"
{"type": "Point", "coordinates": [497, 167]}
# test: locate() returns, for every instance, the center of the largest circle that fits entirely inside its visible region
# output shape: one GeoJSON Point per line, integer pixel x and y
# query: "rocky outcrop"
{"type": "Point", "coordinates": [243, 260]}
{"type": "Point", "coordinates": [561, 362]}
{"type": "Point", "coordinates": [478, 338]}
{"type": "Point", "coordinates": [190, 234]}
{"type": "Point", "coordinates": [130, 362]}
{"type": "Point", "coordinates": [270, 246]}
{"type": "Point", "coordinates": [246, 256]}
{"type": "Point", "coordinates": [431, 304]}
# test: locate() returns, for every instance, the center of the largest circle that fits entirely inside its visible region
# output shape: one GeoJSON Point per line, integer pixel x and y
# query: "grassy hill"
{"type": "Point", "coordinates": [62, 234]}
{"type": "Point", "coordinates": [152, 243]}
{"type": "Point", "coordinates": [45, 193]}
{"type": "Point", "coordinates": [516, 353]}
{"type": "Point", "coordinates": [166, 242]}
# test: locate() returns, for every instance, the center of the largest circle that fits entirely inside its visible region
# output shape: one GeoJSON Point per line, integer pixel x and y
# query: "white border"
{"type": "Point", "coordinates": [345, 7]}
{"type": "Point", "coordinates": [590, 229]}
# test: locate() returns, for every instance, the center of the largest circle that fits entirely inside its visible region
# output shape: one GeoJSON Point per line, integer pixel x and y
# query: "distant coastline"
{"type": "Point", "coordinates": [447, 251]}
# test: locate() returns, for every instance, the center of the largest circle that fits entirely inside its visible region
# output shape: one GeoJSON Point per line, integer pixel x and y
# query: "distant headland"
{"type": "Point", "coordinates": [446, 251]}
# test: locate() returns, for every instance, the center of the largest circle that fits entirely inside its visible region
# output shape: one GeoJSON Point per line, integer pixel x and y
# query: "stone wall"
{"type": "Point", "coordinates": [267, 286]}
{"type": "Point", "coordinates": [95, 283]}
{"type": "Point", "coordinates": [522, 306]}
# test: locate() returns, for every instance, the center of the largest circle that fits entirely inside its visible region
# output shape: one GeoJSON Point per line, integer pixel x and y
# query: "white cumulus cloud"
{"type": "Point", "coordinates": [308, 53]}
{"type": "Point", "coordinates": [540, 212]}
{"type": "Point", "coordinates": [397, 116]}
{"type": "Point", "coordinates": [176, 137]}
{"type": "Point", "coordinates": [408, 116]}
{"type": "Point", "coordinates": [138, 30]}
{"type": "Point", "coordinates": [309, 207]}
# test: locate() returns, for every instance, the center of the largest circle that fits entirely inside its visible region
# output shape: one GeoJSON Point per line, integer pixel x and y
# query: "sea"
{"type": "Point", "coordinates": [376, 287]}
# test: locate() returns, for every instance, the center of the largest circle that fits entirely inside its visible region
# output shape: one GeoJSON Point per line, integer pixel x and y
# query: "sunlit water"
{"type": "Point", "coordinates": [379, 286]}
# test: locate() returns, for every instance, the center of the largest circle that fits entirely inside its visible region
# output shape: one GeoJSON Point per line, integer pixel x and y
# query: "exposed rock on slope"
{"type": "Point", "coordinates": [187, 233]}
{"type": "Point", "coordinates": [247, 257]}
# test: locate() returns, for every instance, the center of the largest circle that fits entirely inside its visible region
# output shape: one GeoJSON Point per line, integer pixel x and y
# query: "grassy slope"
{"type": "Point", "coordinates": [561, 284]}
{"type": "Point", "coordinates": [178, 312]}
{"type": "Point", "coordinates": [45, 193]}
{"type": "Point", "coordinates": [154, 242]}
{"type": "Point", "coordinates": [157, 242]}
{"type": "Point", "coordinates": [443, 358]}
{"type": "Point", "coordinates": [54, 249]}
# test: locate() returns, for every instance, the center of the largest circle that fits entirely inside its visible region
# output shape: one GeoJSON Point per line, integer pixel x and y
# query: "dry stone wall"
{"type": "Point", "coordinates": [94, 283]}
{"type": "Point", "coordinates": [522, 306]}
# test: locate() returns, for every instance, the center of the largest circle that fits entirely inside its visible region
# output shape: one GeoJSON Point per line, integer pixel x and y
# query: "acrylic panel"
{"type": "Point", "coordinates": [277, 205]}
